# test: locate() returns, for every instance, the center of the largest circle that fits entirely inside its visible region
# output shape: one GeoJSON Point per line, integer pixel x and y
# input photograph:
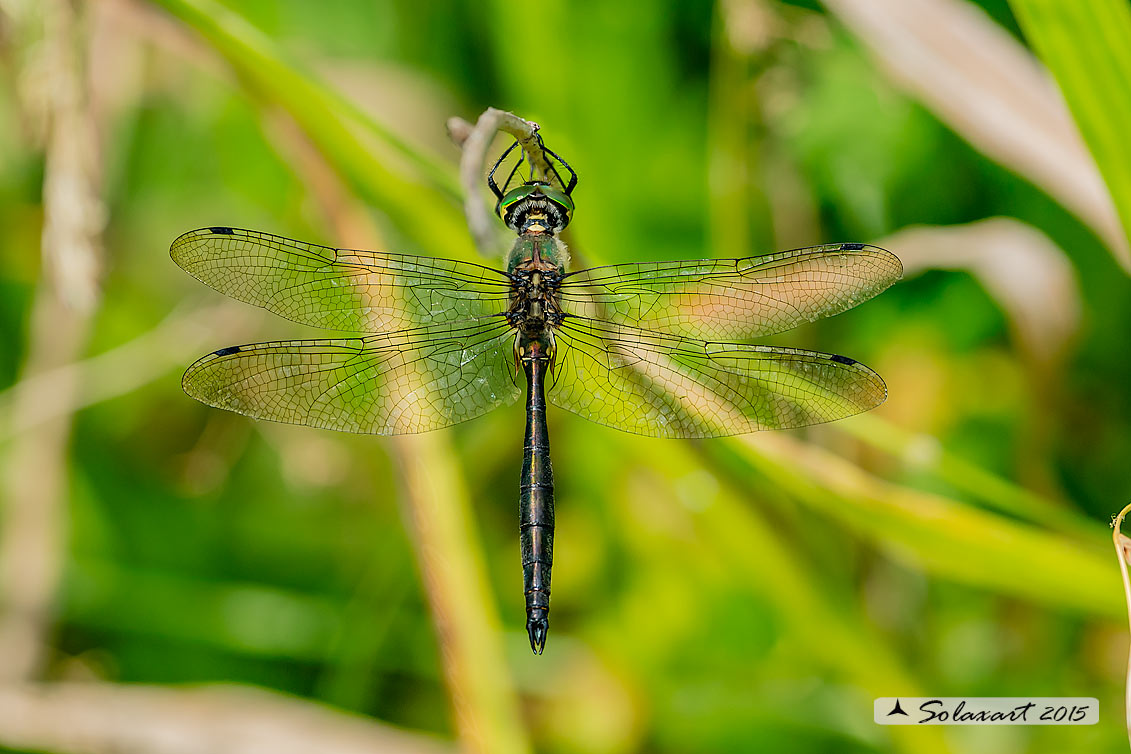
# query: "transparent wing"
{"type": "Point", "coordinates": [733, 299]}
{"type": "Point", "coordinates": [398, 383]}
{"type": "Point", "coordinates": [339, 289]}
{"type": "Point", "coordinates": [662, 385]}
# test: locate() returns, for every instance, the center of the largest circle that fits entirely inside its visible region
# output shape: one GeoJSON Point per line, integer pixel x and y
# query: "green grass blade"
{"type": "Point", "coordinates": [423, 206]}
{"type": "Point", "coordinates": [1084, 45]}
{"type": "Point", "coordinates": [947, 538]}
{"type": "Point", "coordinates": [926, 453]}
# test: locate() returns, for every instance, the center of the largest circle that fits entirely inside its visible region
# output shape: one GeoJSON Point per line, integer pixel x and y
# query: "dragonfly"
{"type": "Point", "coordinates": [659, 349]}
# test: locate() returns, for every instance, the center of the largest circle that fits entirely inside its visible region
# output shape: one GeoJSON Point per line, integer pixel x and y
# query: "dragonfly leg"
{"type": "Point", "coordinates": [491, 176]}
{"type": "Point", "coordinates": [573, 176]}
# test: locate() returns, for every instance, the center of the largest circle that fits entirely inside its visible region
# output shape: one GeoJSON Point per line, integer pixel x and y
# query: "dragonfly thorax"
{"type": "Point", "coordinates": [537, 251]}
{"type": "Point", "coordinates": [534, 298]}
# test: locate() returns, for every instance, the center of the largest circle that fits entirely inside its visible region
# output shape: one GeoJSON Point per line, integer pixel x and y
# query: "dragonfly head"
{"type": "Point", "coordinates": [540, 205]}
{"type": "Point", "coordinates": [535, 206]}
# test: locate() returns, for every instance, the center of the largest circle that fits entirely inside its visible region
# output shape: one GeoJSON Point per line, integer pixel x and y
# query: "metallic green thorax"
{"type": "Point", "coordinates": [530, 246]}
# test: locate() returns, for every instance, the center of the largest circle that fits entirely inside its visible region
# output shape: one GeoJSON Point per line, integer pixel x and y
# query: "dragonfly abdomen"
{"type": "Point", "coordinates": [536, 494]}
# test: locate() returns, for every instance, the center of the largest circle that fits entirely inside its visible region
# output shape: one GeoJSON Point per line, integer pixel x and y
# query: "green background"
{"type": "Point", "coordinates": [748, 594]}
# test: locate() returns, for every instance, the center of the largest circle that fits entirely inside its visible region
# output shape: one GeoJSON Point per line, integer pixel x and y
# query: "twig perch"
{"type": "Point", "coordinates": [1123, 553]}
{"type": "Point", "coordinates": [34, 469]}
{"type": "Point", "coordinates": [475, 141]}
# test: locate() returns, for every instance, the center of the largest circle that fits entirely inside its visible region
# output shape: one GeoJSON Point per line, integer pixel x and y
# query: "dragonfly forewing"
{"type": "Point", "coordinates": [733, 299]}
{"type": "Point", "coordinates": [398, 383]}
{"type": "Point", "coordinates": [663, 385]}
{"type": "Point", "coordinates": [339, 289]}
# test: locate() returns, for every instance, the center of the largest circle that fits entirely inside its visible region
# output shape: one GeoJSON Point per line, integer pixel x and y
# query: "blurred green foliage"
{"type": "Point", "coordinates": [1084, 48]}
{"type": "Point", "coordinates": [708, 597]}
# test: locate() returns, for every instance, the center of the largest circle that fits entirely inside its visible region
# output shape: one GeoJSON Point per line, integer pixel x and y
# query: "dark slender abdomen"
{"type": "Point", "coordinates": [536, 496]}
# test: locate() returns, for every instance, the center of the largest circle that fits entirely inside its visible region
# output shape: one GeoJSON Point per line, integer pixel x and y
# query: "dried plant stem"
{"type": "Point", "coordinates": [34, 477]}
{"type": "Point", "coordinates": [1123, 554]}
{"type": "Point", "coordinates": [101, 718]}
{"type": "Point", "coordinates": [33, 493]}
{"type": "Point", "coordinates": [475, 141]}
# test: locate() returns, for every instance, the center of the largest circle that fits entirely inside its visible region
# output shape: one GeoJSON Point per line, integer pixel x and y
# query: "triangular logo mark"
{"type": "Point", "coordinates": [897, 710]}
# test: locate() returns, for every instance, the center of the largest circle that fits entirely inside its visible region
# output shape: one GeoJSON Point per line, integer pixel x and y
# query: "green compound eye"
{"type": "Point", "coordinates": [515, 195]}
{"type": "Point", "coordinates": [558, 197]}
{"type": "Point", "coordinates": [553, 195]}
